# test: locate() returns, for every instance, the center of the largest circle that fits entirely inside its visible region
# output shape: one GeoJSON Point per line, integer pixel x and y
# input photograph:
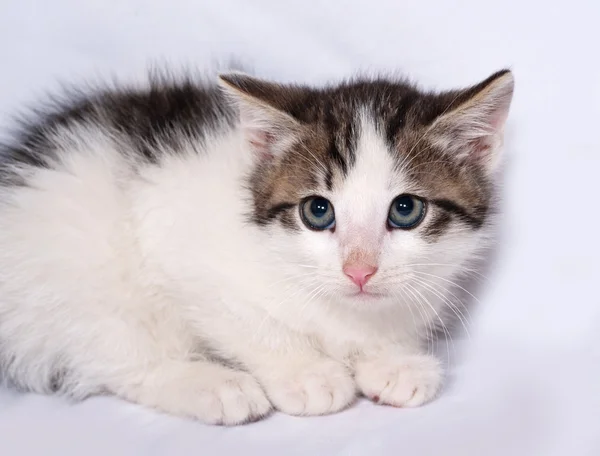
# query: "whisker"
{"type": "Point", "coordinates": [313, 296]}
{"type": "Point", "coordinates": [449, 291]}
{"type": "Point", "coordinates": [450, 282]}
{"type": "Point", "coordinates": [318, 162]}
{"type": "Point", "coordinates": [460, 268]}
{"type": "Point", "coordinates": [448, 336]}
{"type": "Point", "coordinates": [287, 298]}
{"type": "Point", "coordinates": [428, 333]}
{"type": "Point", "coordinates": [293, 277]}
{"type": "Point", "coordinates": [402, 291]}
{"type": "Point", "coordinates": [447, 302]}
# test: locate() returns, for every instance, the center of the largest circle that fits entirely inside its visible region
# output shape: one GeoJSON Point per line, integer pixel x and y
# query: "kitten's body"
{"type": "Point", "coordinates": [145, 233]}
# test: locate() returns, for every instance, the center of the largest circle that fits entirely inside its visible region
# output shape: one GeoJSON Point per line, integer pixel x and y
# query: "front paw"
{"type": "Point", "coordinates": [401, 382]}
{"type": "Point", "coordinates": [315, 388]}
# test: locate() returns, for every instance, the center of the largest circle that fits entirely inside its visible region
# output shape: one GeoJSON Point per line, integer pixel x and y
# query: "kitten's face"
{"type": "Point", "coordinates": [372, 190]}
{"type": "Point", "coordinates": [387, 228]}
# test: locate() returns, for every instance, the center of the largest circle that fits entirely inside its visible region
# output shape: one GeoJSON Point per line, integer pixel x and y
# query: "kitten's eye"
{"type": "Point", "coordinates": [317, 213]}
{"type": "Point", "coordinates": [406, 212]}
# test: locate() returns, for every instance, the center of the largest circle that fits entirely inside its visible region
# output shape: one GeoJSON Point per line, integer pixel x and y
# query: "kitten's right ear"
{"type": "Point", "coordinates": [472, 130]}
{"type": "Point", "coordinates": [268, 129]}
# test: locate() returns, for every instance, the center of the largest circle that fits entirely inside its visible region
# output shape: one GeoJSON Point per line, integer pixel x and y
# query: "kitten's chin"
{"type": "Point", "coordinates": [366, 296]}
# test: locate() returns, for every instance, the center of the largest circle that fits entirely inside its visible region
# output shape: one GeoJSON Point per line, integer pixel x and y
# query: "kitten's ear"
{"type": "Point", "coordinates": [472, 130]}
{"type": "Point", "coordinates": [268, 129]}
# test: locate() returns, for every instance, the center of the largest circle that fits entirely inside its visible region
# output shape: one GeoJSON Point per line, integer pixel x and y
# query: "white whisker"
{"type": "Point", "coordinates": [448, 336]}
{"type": "Point", "coordinates": [450, 282]}
{"type": "Point", "coordinates": [447, 302]}
{"type": "Point", "coordinates": [428, 335]}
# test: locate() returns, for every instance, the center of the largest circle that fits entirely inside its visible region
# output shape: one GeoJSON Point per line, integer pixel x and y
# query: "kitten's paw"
{"type": "Point", "coordinates": [402, 382]}
{"type": "Point", "coordinates": [232, 399]}
{"type": "Point", "coordinates": [312, 389]}
{"type": "Point", "coordinates": [208, 392]}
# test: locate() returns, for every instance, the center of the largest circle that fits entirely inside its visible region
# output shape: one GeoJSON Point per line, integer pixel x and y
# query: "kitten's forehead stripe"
{"type": "Point", "coordinates": [329, 179]}
{"type": "Point", "coordinates": [334, 155]}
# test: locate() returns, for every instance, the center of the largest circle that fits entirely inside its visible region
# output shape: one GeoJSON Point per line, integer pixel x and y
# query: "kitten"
{"type": "Point", "coordinates": [305, 237]}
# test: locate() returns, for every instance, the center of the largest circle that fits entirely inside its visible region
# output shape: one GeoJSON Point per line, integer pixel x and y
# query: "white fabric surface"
{"type": "Point", "coordinates": [528, 381]}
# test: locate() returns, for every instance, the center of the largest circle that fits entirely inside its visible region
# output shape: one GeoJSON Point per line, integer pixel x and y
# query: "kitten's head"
{"type": "Point", "coordinates": [372, 189]}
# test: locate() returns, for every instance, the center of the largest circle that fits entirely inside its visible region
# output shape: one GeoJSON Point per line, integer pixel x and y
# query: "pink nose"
{"type": "Point", "coordinates": [360, 273]}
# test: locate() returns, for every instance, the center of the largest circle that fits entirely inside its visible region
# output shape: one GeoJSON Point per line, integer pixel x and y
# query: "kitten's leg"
{"type": "Point", "coordinates": [202, 390]}
{"type": "Point", "coordinates": [399, 379]}
{"type": "Point", "coordinates": [299, 380]}
{"type": "Point", "coordinates": [149, 365]}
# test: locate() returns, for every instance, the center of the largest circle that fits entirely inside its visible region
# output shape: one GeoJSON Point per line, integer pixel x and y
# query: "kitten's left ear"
{"type": "Point", "coordinates": [473, 130]}
{"type": "Point", "coordinates": [268, 129]}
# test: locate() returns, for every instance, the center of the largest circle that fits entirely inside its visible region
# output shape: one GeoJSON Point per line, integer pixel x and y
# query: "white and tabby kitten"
{"type": "Point", "coordinates": [216, 251]}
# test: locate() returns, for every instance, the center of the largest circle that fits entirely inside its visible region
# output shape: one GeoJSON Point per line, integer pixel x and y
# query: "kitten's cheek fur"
{"type": "Point", "coordinates": [408, 381]}
{"type": "Point", "coordinates": [316, 388]}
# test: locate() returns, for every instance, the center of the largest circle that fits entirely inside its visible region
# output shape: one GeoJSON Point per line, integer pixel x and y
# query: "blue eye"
{"type": "Point", "coordinates": [317, 213]}
{"type": "Point", "coordinates": [406, 212]}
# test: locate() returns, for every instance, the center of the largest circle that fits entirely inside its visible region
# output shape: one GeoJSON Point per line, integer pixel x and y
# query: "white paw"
{"type": "Point", "coordinates": [235, 399]}
{"type": "Point", "coordinates": [311, 389]}
{"type": "Point", "coordinates": [210, 393]}
{"type": "Point", "coordinates": [401, 382]}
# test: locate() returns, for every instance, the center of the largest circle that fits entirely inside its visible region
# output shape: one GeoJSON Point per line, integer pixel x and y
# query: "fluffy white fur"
{"type": "Point", "coordinates": [130, 283]}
